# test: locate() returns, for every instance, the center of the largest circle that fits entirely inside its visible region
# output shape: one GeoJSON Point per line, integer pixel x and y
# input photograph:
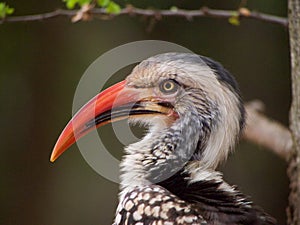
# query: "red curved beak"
{"type": "Point", "coordinates": [115, 103]}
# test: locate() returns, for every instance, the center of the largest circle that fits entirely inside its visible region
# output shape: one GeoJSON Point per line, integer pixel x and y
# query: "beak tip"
{"type": "Point", "coordinates": [54, 155]}
{"type": "Point", "coordinates": [52, 158]}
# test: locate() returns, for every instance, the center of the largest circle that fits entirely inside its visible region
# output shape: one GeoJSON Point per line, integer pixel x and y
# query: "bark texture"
{"type": "Point", "coordinates": [293, 210]}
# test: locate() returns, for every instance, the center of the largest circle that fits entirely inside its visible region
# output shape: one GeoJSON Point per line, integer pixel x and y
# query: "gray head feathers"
{"type": "Point", "coordinates": [211, 117]}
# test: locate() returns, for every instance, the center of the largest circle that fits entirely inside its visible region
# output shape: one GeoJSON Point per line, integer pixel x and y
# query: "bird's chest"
{"type": "Point", "coordinates": [152, 205]}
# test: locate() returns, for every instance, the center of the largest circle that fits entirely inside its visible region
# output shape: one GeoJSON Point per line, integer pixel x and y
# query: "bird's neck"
{"type": "Point", "coordinates": [163, 152]}
{"type": "Point", "coordinates": [171, 158]}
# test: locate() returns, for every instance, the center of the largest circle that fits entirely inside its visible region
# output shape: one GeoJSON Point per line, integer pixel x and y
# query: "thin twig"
{"type": "Point", "coordinates": [39, 17]}
{"type": "Point", "coordinates": [130, 10]}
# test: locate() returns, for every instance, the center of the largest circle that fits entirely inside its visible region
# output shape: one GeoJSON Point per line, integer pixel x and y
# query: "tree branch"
{"type": "Point", "coordinates": [293, 210]}
{"type": "Point", "coordinates": [157, 14]}
{"type": "Point", "coordinates": [265, 132]}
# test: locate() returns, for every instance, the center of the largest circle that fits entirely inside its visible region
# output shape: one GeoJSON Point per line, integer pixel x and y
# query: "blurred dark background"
{"type": "Point", "coordinates": [41, 64]}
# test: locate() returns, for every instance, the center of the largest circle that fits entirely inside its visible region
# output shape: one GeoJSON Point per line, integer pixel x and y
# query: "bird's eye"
{"type": "Point", "coordinates": [168, 86]}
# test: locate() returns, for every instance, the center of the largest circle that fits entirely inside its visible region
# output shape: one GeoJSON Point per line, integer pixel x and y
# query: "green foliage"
{"type": "Point", "coordinates": [113, 8]}
{"type": "Point", "coordinates": [234, 19]}
{"type": "Point", "coordinates": [108, 5]}
{"type": "Point", "coordinates": [174, 9]}
{"type": "Point", "coordinates": [5, 10]}
{"type": "Point", "coordinates": [103, 3]}
{"type": "Point", "coordinates": [72, 3]}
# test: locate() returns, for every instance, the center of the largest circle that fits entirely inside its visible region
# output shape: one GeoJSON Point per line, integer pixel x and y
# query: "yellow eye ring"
{"type": "Point", "coordinates": [168, 86]}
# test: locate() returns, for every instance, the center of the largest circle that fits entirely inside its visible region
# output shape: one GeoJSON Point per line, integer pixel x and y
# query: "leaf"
{"type": "Point", "coordinates": [234, 20]}
{"type": "Point", "coordinates": [9, 11]}
{"type": "Point", "coordinates": [103, 3]}
{"type": "Point", "coordinates": [174, 9]}
{"type": "Point", "coordinates": [84, 2]}
{"type": "Point", "coordinates": [70, 3]}
{"type": "Point", "coordinates": [2, 10]}
{"type": "Point", "coordinates": [5, 10]}
{"type": "Point", "coordinates": [113, 8]}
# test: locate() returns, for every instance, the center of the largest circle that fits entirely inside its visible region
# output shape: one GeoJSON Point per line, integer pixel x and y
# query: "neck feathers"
{"type": "Point", "coordinates": [162, 152]}
{"type": "Point", "coordinates": [166, 150]}
{"type": "Point", "coordinates": [165, 158]}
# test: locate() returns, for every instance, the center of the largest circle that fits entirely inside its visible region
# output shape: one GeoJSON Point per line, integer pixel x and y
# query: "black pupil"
{"type": "Point", "coordinates": [168, 86]}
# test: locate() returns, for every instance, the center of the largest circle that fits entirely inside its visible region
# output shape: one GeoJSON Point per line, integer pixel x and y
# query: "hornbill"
{"type": "Point", "coordinates": [194, 114]}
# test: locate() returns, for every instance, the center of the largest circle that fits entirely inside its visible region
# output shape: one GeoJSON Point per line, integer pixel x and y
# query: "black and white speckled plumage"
{"type": "Point", "coordinates": [203, 202]}
{"type": "Point", "coordinates": [153, 204]}
{"type": "Point", "coordinates": [169, 177]}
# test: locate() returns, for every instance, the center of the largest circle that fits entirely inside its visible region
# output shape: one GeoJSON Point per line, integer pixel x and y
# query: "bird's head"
{"type": "Point", "coordinates": [191, 103]}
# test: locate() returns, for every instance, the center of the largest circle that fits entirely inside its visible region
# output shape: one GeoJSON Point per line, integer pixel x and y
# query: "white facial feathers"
{"type": "Point", "coordinates": [208, 93]}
